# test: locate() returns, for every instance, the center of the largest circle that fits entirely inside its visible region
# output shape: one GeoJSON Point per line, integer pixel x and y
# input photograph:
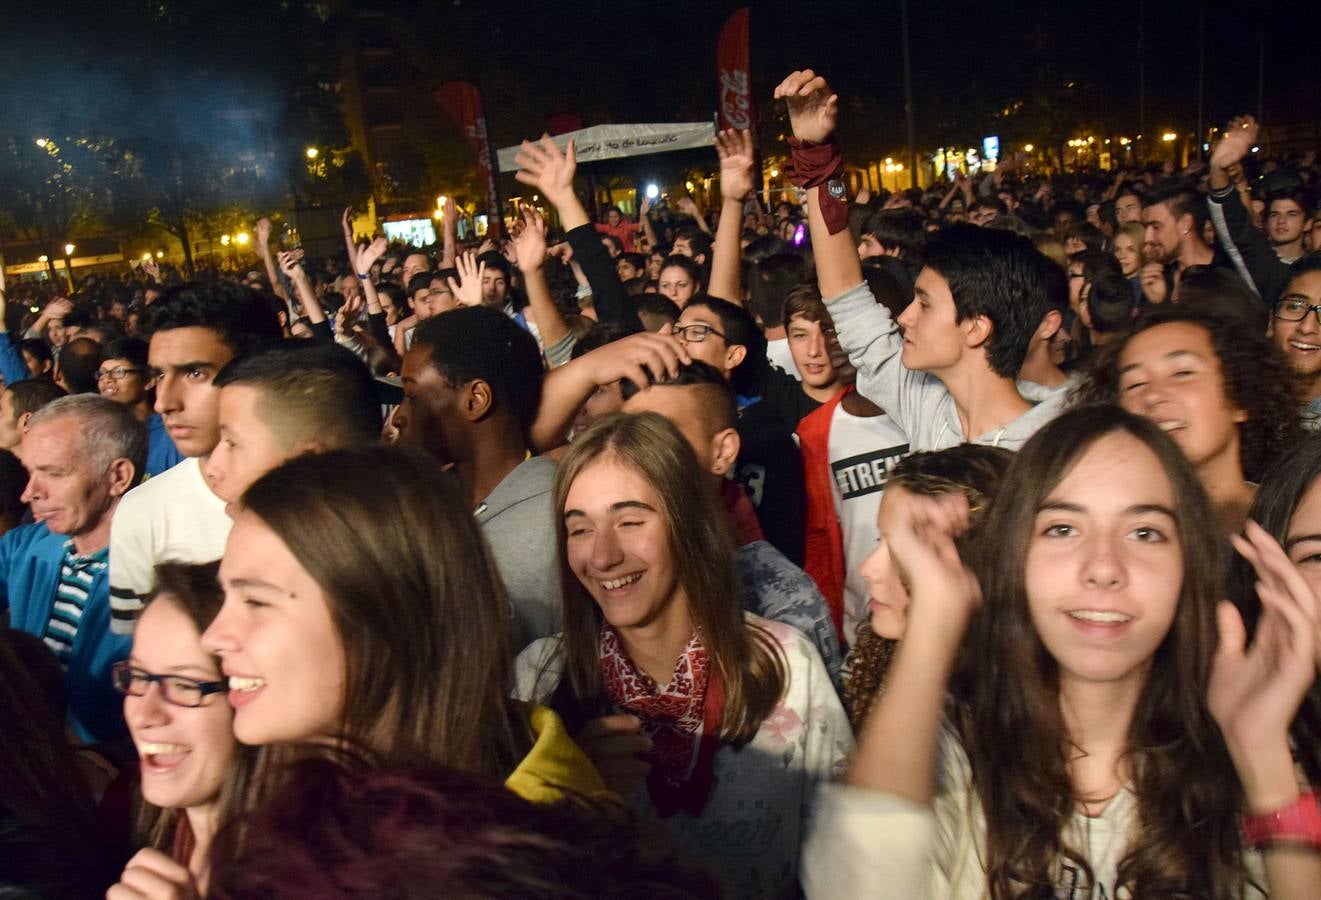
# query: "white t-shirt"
{"type": "Point", "coordinates": [777, 351]}
{"type": "Point", "coordinates": [863, 450]}
{"type": "Point", "coordinates": [173, 516]}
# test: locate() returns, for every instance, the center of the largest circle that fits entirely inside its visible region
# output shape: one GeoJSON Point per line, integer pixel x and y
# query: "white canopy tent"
{"type": "Point", "coordinates": [616, 141]}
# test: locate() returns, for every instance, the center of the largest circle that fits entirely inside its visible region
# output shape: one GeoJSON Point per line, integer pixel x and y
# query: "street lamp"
{"type": "Point", "coordinates": [1028, 148]}
{"type": "Point", "coordinates": [68, 264]}
{"type": "Point", "coordinates": [242, 238]}
{"type": "Point", "coordinates": [1169, 137]}
{"type": "Point", "coordinates": [42, 142]}
{"type": "Point", "coordinates": [224, 240]}
{"type": "Point", "coordinates": [68, 249]}
{"type": "Point", "coordinates": [313, 152]}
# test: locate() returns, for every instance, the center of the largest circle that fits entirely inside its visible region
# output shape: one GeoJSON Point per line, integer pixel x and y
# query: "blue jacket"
{"type": "Point", "coordinates": [30, 557]}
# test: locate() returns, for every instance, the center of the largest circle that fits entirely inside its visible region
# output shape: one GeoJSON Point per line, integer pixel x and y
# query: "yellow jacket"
{"type": "Point", "coordinates": [555, 766]}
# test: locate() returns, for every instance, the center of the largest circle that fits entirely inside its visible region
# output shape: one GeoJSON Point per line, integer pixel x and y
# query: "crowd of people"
{"type": "Point", "coordinates": [872, 547]}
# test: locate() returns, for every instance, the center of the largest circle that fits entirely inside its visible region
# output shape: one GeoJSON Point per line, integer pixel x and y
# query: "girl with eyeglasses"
{"type": "Point", "coordinates": [182, 725]}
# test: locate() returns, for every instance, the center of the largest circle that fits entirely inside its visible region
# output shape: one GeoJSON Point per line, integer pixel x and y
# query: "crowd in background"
{"type": "Point", "coordinates": [870, 546]}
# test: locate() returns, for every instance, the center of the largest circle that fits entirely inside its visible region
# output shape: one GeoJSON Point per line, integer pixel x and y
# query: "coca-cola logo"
{"type": "Point", "coordinates": [735, 98]}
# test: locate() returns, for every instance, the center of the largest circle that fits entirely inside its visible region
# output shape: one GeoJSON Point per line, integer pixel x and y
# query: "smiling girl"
{"type": "Point", "coordinates": [1108, 744]}
{"type": "Point", "coordinates": [174, 704]}
{"type": "Point", "coordinates": [1214, 384]}
{"type": "Point", "coordinates": [362, 607]}
{"type": "Point", "coordinates": [729, 719]}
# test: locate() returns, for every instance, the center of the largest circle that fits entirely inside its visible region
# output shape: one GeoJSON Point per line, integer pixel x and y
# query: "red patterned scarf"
{"type": "Point", "coordinates": [682, 719]}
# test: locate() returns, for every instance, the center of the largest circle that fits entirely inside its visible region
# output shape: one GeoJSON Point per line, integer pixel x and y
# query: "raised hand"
{"type": "Point", "coordinates": [263, 230]}
{"type": "Point", "coordinates": [736, 161]}
{"type": "Point", "coordinates": [58, 308]}
{"type": "Point", "coordinates": [813, 108]}
{"type": "Point", "coordinates": [642, 358]}
{"type": "Point", "coordinates": [529, 240]}
{"type": "Point", "coordinates": [645, 206]}
{"type": "Point", "coordinates": [368, 254]}
{"type": "Point", "coordinates": [1152, 279]}
{"type": "Point", "coordinates": [1254, 692]}
{"type": "Point", "coordinates": [1240, 137]}
{"type": "Point", "coordinates": [688, 206]}
{"type": "Point", "coordinates": [349, 313]}
{"type": "Point", "coordinates": [290, 263]}
{"type": "Point", "coordinates": [346, 224]}
{"type": "Point", "coordinates": [548, 169]}
{"type": "Point", "coordinates": [944, 592]}
{"type": "Point", "coordinates": [153, 269]}
{"type": "Point", "coordinates": [468, 288]}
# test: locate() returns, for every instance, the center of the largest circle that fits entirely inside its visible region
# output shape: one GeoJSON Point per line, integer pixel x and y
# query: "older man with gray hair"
{"type": "Point", "coordinates": [82, 453]}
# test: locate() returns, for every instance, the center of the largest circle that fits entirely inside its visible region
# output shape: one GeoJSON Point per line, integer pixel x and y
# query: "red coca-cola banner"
{"type": "Point", "coordinates": [732, 66]}
{"type": "Point", "coordinates": [463, 101]}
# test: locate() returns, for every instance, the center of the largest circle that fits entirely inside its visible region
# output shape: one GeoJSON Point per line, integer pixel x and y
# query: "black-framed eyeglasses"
{"type": "Point", "coordinates": [177, 689]}
{"type": "Point", "coordinates": [118, 373]}
{"type": "Point", "coordinates": [695, 332]}
{"type": "Point", "coordinates": [1296, 310]}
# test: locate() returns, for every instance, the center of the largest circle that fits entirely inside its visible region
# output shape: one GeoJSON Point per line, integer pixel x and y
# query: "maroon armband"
{"type": "Point", "coordinates": [820, 165]}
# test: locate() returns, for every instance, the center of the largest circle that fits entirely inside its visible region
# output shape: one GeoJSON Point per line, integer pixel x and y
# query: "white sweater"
{"type": "Point", "coordinates": [751, 831]}
{"type": "Point", "coordinates": [873, 844]}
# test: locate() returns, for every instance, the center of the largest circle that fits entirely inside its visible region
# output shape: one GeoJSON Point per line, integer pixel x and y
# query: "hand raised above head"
{"type": "Point", "coordinates": [813, 107]}
{"type": "Point", "coordinates": [736, 161]}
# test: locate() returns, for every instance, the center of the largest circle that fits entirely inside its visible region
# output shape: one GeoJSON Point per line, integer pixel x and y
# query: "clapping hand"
{"type": "Point", "coordinates": [1254, 692]}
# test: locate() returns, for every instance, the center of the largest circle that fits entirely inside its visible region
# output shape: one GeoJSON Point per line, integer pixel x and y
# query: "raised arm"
{"type": "Point", "coordinates": [367, 255]}
{"type": "Point", "coordinates": [736, 160]}
{"type": "Point", "coordinates": [449, 216]}
{"type": "Point", "coordinates": [530, 251]}
{"type": "Point", "coordinates": [688, 206]}
{"type": "Point", "coordinates": [268, 261]}
{"type": "Point", "coordinates": [645, 221]}
{"type": "Point", "coordinates": [813, 114]}
{"type": "Point", "coordinates": [291, 266]}
{"type": "Point", "coordinates": [1254, 694]}
{"type": "Point", "coordinates": [898, 746]}
{"type": "Point", "coordinates": [641, 358]}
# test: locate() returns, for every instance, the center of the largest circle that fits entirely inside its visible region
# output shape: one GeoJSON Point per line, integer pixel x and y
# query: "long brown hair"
{"type": "Point", "coordinates": [1188, 798]}
{"type": "Point", "coordinates": [415, 599]}
{"type": "Point", "coordinates": [196, 591]}
{"type": "Point", "coordinates": [751, 667]}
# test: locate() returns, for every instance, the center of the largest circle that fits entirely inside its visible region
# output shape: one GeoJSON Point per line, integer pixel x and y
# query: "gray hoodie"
{"type": "Point", "coordinates": [919, 403]}
{"type": "Point", "coordinates": [519, 526]}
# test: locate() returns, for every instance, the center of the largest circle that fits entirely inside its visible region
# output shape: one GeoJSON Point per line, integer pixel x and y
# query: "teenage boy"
{"type": "Point", "coordinates": [193, 331]}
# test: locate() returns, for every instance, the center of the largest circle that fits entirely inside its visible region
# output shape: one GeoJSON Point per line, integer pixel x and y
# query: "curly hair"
{"type": "Point", "coordinates": [968, 469]}
{"type": "Point", "coordinates": [1258, 379]}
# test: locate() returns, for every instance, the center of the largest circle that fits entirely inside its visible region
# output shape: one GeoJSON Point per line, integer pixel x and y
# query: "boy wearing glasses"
{"type": "Point", "coordinates": [125, 378]}
{"type": "Point", "coordinates": [1296, 330]}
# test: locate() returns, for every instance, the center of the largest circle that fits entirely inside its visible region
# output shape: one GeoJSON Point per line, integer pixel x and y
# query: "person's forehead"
{"type": "Point", "coordinates": [1285, 204]}
{"type": "Point", "coordinates": [190, 344]}
{"type": "Point", "coordinates": [702, 314]}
